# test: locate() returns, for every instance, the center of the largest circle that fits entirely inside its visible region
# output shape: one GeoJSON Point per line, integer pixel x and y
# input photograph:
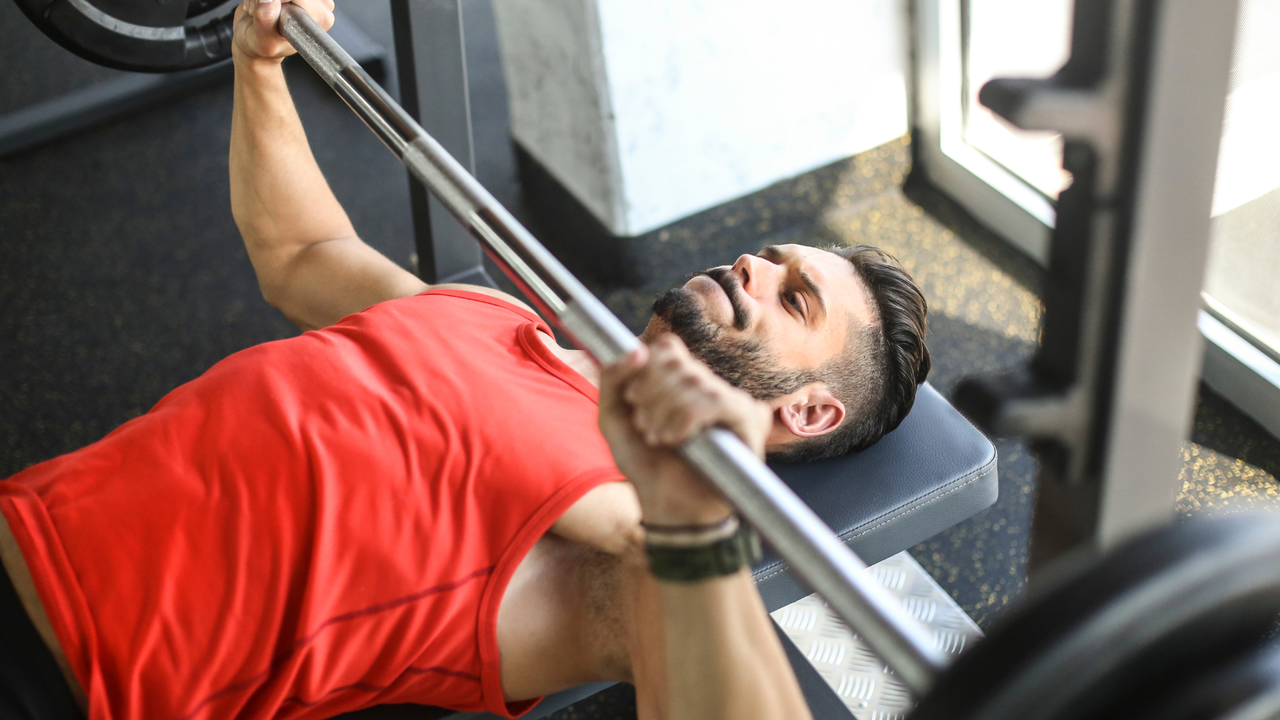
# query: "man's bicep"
{"type": "Point", "coordinates": [324, 282]}
{"type": "Point", "coordinates": [606, 518]}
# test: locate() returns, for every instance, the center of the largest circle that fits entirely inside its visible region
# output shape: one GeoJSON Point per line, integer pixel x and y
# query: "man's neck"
{"type": "Point", "coordinates": [585, 366]}
{"type": "Point", "coordinates": [576, 359]}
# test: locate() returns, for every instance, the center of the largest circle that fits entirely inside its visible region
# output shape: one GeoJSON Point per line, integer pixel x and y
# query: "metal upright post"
{"type": "Point", "coordinates": [432, 64]}
{"type": "Point", "coordinates": [1159, 349]}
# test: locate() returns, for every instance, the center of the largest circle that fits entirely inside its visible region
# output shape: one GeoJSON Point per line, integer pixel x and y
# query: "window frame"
{"type": "Point", "coordinates": [995, 196]}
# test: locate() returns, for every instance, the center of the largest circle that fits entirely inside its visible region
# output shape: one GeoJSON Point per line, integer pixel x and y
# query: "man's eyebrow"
{"type": "Point", "coordinates": [812, 287]}
{"type": "Point", "coordinates": [773, 252]}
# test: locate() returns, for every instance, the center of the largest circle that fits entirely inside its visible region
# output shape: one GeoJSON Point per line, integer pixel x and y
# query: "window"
{"type": "Point", "coordinates": [1014, 38]}
{"type": "Point", "coordinates": [1242, 286]}
{"type": "Point", "coordinates": [1007, 178]}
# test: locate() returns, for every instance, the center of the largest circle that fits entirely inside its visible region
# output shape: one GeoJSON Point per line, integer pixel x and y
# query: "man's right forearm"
{"type": "Point", "coordinates": [723, 658]}
{"type": "Point", "coordinates": [279, 198]}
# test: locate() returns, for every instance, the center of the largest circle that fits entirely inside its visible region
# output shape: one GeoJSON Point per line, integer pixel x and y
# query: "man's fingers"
{"type": "Point", "coordinates": [655, 385]}
{"type": "Point", "coordinates": [751, 423]}
{"type": "Point", "coordinates": [667, 366]}
{"type": "Point", "coordinates": [690, 408]}
{"type": "Point", "coordinates": [258, 34]}
{"type": "Point", "coordinates": [673, 396]}
{"type": "Point", "coordinates": [255, 30]}
{"type": "Point", "coordinates": [674, 402]}
{"type": "Point", "coordinates": [614, 379]}
{"type": "Point", "coordinates": [641, 389]}
{"type": "Point", "coordinates": [265, 16]}
{"type": "Point", "coordinates": [320, 10]}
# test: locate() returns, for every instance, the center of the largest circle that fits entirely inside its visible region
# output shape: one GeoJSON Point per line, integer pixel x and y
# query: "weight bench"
{"type": "Point", "coordinates": [932, 472]}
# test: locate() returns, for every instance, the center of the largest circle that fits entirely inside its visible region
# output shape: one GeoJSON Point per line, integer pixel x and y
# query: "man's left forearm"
{"type": "Point", "coordinates": [723, 658]}
{"type": "Point", "coordinates": [310, 264]}
{"type": "Point", "coordinates": [279, 198]}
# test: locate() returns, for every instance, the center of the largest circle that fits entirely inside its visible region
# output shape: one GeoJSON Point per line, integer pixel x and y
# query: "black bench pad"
{"type": "Point", "coordinates": [933, 471]}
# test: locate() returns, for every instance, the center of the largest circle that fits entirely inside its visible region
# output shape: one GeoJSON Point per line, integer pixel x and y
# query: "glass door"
{"type": "Point", "coordinates": [1006, 177]}
{"type": "Point", "coordinates": [1241, 295]}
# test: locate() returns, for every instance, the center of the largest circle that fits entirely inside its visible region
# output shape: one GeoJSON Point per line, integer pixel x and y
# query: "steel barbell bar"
{"type": "Point", "coordinates": [795, 531]}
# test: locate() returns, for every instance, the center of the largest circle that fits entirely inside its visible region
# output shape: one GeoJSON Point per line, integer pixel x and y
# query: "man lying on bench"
{"type": "Point", "coordinates": [415, 503]}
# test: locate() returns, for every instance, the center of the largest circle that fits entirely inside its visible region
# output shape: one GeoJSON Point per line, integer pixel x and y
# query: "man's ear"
{"type": "Point", "coordinates": [810, 411]}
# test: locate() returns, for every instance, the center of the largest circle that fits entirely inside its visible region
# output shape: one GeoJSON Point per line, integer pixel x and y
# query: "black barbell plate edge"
{"type": "Point", "coordinates": [1246, 689]}
{"type": "Point", "coordinates": [209, 42]}
{"type": "Point", "coordinates": [205, 40]}
{"type": "Point", "coordinates": [97, 44]}
{"type": "Point", "coordinates": [1059, 606]}
{"type": "Point", "coordinates": [1196, 656]}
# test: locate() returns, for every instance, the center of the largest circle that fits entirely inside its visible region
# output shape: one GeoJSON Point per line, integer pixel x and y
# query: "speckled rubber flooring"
{"type": "Point", "coordinates": [122, 276]}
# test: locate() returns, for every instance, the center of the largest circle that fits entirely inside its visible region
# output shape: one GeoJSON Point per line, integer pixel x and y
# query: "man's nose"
{"type": "Point", "coordinates": [757, 275]}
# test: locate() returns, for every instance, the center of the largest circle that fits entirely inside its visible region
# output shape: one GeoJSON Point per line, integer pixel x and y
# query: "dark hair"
{"type": "Point", "coordinates": [883, 362]}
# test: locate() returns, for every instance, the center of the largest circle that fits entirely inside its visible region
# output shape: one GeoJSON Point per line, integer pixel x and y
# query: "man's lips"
{"type": "Point", "coordinates": [728, 282]}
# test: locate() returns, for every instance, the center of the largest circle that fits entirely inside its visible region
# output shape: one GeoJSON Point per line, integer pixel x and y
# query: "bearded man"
{"type": "Point", "coordinates": [424, 498]}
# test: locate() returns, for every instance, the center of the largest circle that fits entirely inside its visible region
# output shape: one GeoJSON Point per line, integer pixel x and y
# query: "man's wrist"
{"type": "Point", "coordinates": [676, 500]}
{"type": "Point", "coordinates": [696, 555]}
{"type": "Point", "coordinates": [690, 535]}
{"type": "Point", "coordinates": [251, 65]}
{"type": "Point", "coordinates": [672, 511]}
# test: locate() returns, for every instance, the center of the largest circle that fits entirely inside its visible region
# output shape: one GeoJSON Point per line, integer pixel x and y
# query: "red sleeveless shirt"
{"type": "Point", "coordinates": [318, 524]}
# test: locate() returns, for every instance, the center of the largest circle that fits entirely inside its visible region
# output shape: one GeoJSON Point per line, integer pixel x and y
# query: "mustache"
{"type": "Point", "coordinates": [728, 281]}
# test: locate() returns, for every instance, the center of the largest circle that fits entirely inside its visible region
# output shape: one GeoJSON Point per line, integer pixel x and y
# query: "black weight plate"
{"type": "Point", "coordinates": [138, 35]}
{"type": "Point", "coordinates": [1174, 601]}
{"type": "Point", "coordinates": [196, 7]}
{"type": "Point", "coordinates": [1200, 669]}
{"type": "Point", "coordinates": [1247, 688]}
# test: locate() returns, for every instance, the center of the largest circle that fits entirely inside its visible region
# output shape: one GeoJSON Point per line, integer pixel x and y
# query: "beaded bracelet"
{"type": "Point", "coordinates": [690, 536]}
{"type": "Point", "coordinates": [685, 563]}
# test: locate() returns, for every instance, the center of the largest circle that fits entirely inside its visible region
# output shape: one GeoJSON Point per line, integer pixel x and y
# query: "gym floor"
{"type": "Point", "coordinates": [123, 276]}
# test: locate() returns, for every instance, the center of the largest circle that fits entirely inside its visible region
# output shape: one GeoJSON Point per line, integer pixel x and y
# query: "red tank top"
{"type": "Point", "coordinates": [318, 524]}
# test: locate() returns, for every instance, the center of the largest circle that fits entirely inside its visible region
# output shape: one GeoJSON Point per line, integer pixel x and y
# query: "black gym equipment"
{"type": "Point", "coordinates": [1106, 399]}
{"type": "Point", "coordinates": [160, 36]}
{"type": "Point", "coordinates": [131, 93]}
{"type": "Point", "coordinates": [1134, 634]}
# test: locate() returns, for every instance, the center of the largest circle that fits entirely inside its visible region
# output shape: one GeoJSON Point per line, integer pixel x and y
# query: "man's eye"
{"type": "Point", "coordinates": [794, 299]}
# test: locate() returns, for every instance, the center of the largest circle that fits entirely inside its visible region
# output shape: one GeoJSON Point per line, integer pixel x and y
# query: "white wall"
{"type": "Point", "coordinates": [651, 111]}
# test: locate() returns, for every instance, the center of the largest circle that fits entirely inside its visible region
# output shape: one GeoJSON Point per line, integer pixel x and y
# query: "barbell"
{"type": "Point", "coordinates": [1175, 625]}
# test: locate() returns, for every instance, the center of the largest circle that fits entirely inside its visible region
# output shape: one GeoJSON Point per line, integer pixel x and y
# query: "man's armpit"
{"type": "Point", "coordinates": [607, 518]}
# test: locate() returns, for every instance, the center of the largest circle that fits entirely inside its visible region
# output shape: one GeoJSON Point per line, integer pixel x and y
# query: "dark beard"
{"type": "Point", "coordinates": [742, 363]}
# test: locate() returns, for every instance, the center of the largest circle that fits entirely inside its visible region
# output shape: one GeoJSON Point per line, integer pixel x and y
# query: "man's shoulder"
{"type": "Point", "coordinates": [486, 291]}
{"type": "Point", "coordinates": [455, 309]}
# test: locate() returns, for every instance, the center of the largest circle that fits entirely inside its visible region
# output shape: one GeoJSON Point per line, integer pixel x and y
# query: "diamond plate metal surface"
{"type": "Point", "coordinates": [866, 686]}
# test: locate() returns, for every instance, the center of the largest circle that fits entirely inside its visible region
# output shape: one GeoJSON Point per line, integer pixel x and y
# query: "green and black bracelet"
{"type": "Point", "coordinates": [682, 562]}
